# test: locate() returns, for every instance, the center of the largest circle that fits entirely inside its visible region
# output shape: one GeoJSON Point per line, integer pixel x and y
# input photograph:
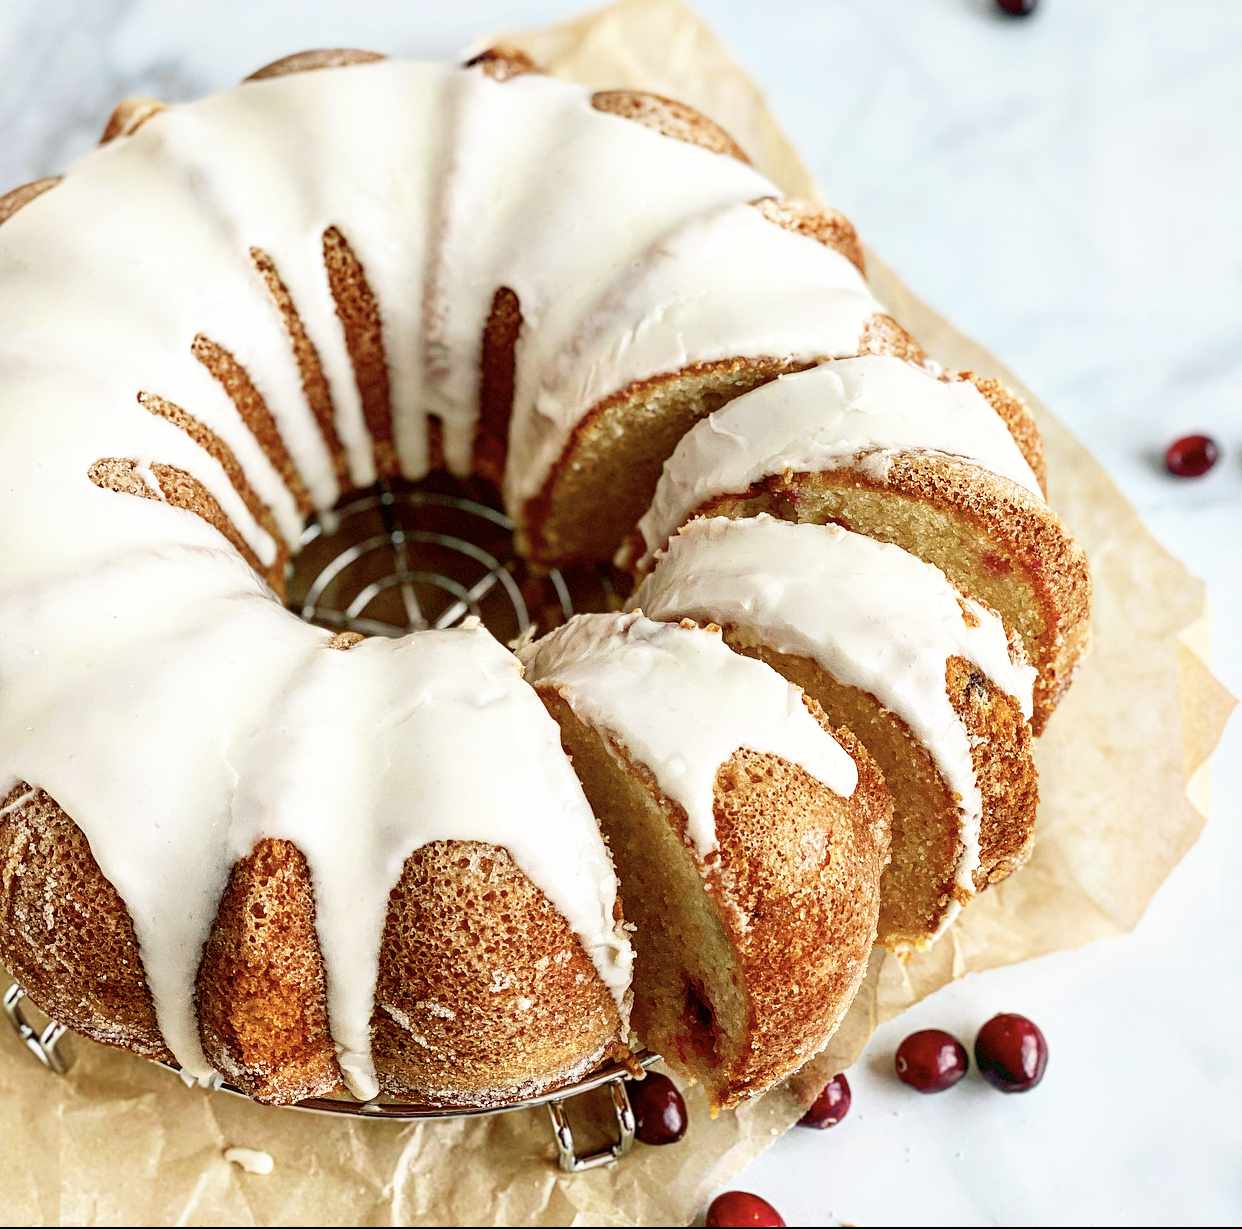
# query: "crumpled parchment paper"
{"type": "Point", "coordinates": [1124, 795]}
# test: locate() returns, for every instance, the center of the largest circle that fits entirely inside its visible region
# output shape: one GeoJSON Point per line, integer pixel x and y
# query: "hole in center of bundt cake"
{"type": "Point", "coordinates": [402, 557]}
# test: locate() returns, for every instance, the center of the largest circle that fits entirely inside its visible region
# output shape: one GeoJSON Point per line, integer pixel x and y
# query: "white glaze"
{"type": "Point", "coordinates": [682, 702]}
{"type": "Point", "coordinates": [729, 284]}
{"type": "Point", "coordinates": [422, 701]}
{"type": "Point", "coordinates": [555, 200]}
{"type": "Point", "coordinates": [853, 412]}
{"type": "Point", "coordinates": [870, 614]}
{"type": "Point", "coordinates": [282, 755]}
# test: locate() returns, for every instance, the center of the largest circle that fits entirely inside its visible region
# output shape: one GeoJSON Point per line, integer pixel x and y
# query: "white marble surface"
{"type": "Point", "coordinates": [1094, 151]}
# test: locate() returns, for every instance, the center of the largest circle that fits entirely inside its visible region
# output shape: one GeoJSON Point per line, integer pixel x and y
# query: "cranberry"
{"type": "Point", "coordinates": [832, 1104]}
{"type": "Point", "coordinates": [1191, 456]}
{"type": "Point", "coordinates": [1017, 8]}
{"type": "Point", "coordinates": [1011, 1053]}
{"type": "Point", "coordinates": [931, 1060]}
{"type": "Point", "coordinates": [659, 1111]}
{"type": "Point", "coordinates": [742, 1208]}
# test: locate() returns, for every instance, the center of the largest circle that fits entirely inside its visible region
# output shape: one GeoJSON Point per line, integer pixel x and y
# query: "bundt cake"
{"type": "Point", "coordinates": [927, 680]}
{"type": "Point", "coordinates": [309, 862]}
{"type": "Point", "coordinates": [752, 936]}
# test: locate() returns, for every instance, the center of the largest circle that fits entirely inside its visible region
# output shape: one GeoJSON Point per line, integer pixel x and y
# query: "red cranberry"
{"type": "Point", "coordinates": [1191, 456]}
{"type": "Point", "coordinates": [735, 1208]}
{"type": "Point", "coordinates": [659, 1111]}
{"type": "Point", "coordinates": [832, 1104]}
{"type": "Point", "coordinates": [931, 1060]}
{"type": "Point", "coordinates": [1017, 8]}
{"type": "Point", "coordinates": [1011, 1053]}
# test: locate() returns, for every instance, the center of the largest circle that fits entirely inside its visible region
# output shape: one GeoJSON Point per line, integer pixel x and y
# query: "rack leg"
{"type": "Point", "coordinates": [42, 1043]}
{"type": "Point", "coordinates": [567, 1156]}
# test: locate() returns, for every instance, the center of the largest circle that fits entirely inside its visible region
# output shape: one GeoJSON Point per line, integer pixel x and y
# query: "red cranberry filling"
{"type": "Point", "coordinates": [702, 1036]}
{"type": "Point", "coordinates": [1017, 8]}
{"type": "Point", "coordinates": [931, 1060]}
{"type": "Point", "coordinates": [659, 1110]}
{"type": "Point", "coordinates": [832, 1104]}
{"type": "Point", "coordinates": [742, 1208]}
{"type": "Point", "coordinates": [1011, 1053]}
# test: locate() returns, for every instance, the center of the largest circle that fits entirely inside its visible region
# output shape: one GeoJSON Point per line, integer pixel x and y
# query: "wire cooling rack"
{"type": "Point", "coordinates": [396, 560]}
{"type": "Point", "coordinates": [43, 1040]}
{"type": "Point", "coordinates": [386, 562]}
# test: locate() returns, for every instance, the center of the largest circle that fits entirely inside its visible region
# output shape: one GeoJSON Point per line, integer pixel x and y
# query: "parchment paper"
{"type": "Point", "coordinates": [1124, 794]}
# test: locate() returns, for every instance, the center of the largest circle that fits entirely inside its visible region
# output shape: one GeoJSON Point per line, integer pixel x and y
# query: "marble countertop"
{"type": "Point", "coordinates": [1093, 152]}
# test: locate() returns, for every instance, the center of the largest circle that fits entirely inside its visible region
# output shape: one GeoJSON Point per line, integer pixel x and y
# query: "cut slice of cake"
{"type": "Point", "coordinates": [725, 303]}
{"type": "Point", "coordinates": [748, 838]}
{"type": "Point", "coordinates": [925, 679]}
{"type": "Point", "coordinates": [949, 469]}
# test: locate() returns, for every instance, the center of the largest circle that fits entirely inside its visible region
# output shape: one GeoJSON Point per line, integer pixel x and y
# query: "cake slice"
{"type": "Point", "coordinates": [723, 304]}
{"type": "Point", "coordinates": [925, 679]}
{"type": "Point", "coordinates": [949, 469]}
{"type": "Point", "coordinates": [748, 838]}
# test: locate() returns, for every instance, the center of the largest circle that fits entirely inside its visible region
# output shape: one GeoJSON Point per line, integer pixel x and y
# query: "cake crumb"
{"type": "Point", "coordinates": [252, 1160]}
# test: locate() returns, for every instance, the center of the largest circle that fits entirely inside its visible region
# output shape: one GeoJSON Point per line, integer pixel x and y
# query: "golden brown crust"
{"type": "Point", "coordinates": [21, 196]}
{"type": "Point", "coordinates": [121, 476]}
{"type": "Point", "coordinates": [180, 489]}
{"type": "Point", "coordinates": [670, 118]}
{"type": "Point", "coordinates": [315, 385]}
{"type": "Point", "coordinates": [918, 887]}
{"type": "Point", "coordinates": [500, 997]}
{"type": "Point", "coordinates": [497, 374]}
{"type": "Point", "coordinates": [129, 116]}
{"type": "Point", "coordinates": [224, 456]}
{"type": "Point", "coordinates": [484, 990]}
{"type": "Point", "coordinates": [359, 314]}
{"type": "Point", "coordinates": [1017, 417]}
{"type": "Point", "coordinates": [883, 335]}
{"type": "Point", "coordinates": [310, 61]}
{"type": "Point", "coordinates": [261, 992]}
{"type": "Point", "coordinates": [994, 540]}
{"type": "Point", "coordinates": [920, 884]}
{"type": "Point", "coordinates": [502, 63]}
{"type": "Point", "coordinates": [435, 443]}
{"type": "Point", "coordinates": [464, 924]}
{"type": "Point", "coordinates": [64, 934]}
{"type": "Point", "coordinates": [1001, 754]}
{"type": "Point", "coordinates": [252, 409]}
{"type": "Point", "coordinates": [803, 925]}
{"type": "Point", "coordinates": [744, 996]}
{"type": "Point", "coordinates": [826, 226]}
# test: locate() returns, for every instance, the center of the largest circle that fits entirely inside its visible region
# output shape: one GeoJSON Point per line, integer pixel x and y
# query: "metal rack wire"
{"type": "Point", "coordinates": [395, 560]}
{"type": "Point", "coordinates": [44, 1043]}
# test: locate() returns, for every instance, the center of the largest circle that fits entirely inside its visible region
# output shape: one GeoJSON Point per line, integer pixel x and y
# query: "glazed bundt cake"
{"type": "Point", "coordinates": [927, 680]}
{"type": "Point", "coordinates": [751, 936]}
{"type": "Point", "coordinates": [309, 862]}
